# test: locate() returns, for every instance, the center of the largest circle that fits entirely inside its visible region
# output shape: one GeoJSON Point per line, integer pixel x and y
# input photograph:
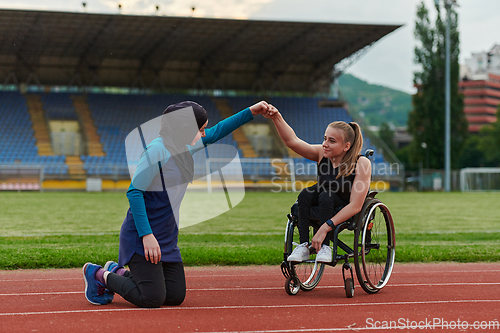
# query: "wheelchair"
{"type": "Point", "coordinates": [373, 250]}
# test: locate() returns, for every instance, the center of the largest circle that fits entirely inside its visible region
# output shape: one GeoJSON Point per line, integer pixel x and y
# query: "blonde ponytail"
{"type": "Point", "coordinates": [353, 135]}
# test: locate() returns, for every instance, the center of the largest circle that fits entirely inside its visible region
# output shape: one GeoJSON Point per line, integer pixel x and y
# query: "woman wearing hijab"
{"type": "Point", "coordinates": [148, 236]}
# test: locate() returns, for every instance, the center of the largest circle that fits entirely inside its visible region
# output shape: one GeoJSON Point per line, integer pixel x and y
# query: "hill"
{"type": "Point", "coordinates": [376, 104]}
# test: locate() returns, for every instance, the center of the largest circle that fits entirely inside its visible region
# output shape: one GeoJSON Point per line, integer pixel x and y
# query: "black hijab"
{"type": "Point", "coordinates": [179, 125]}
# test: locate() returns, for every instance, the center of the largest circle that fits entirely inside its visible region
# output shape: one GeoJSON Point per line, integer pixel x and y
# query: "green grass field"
{"type": "Point", "coordinates": [61, 229]}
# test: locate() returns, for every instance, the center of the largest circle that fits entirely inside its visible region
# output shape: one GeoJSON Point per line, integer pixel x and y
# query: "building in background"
{"type": "Point", "coordinates": [480, 84]}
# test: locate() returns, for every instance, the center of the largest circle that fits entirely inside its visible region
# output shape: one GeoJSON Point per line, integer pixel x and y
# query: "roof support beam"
{"type": "Point", "coordinates": [83, 62]}
{"type": "Point", "coordinates": [121, 50]}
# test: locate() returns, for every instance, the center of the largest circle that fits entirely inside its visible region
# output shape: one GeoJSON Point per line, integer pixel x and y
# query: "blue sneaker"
{"type": "Point", "coordinates": [94, 290]}
{"type": "Point", "coordinates": [110, 266]}
{"type": "Point", "coordinates": [109, 295]}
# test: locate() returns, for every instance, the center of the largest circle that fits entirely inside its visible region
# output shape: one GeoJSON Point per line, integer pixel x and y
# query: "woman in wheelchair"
{"type": "Point", "coordinates": [343, 182]}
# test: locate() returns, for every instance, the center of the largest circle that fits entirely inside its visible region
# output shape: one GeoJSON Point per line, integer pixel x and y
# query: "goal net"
{"type": "Point", "coordinates": [21, 177]}
{"type": "Point", "coordinates": [480, 179]}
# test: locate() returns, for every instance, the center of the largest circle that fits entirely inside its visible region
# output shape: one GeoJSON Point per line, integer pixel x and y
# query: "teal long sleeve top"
{"type": "Point", "coordinates": [135, 194]}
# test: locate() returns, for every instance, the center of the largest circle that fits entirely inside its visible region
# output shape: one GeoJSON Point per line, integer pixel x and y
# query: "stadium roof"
{"type": "Point", "coordinates": [61, 48]}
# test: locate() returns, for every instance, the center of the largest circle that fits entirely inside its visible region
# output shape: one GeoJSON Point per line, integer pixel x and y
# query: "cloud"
{"type": "Point", "coordinates": [479, 26]}
{"type": "Point", "coordinates": [389, 62]}
{"type": "Point", "coordinates": [205, 8]}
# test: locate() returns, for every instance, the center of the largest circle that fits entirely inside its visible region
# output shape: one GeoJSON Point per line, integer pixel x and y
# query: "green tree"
{"type": "Point", "coordinates": [386, 134]}
{"type": "Point", "coordinates": [483, 149]}
{"type": "Point", "coordinates": [489, 143]}
{"type": "Point", "coordinates": [405, 156]}
{"type": "Point", "coordinates": [426, 121]}
{"type": "Point", "coordinates": [472, 155]}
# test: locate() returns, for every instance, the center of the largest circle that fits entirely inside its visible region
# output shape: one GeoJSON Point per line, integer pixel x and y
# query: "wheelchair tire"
{"type": "Point", "coordinates": [374, 246]}
{"type": "Point", "coordinates": [349, 287]}
{"type": "Point", "coordinates": [307, 273]}
{"type": "Point", "coordinates": [291, 287]}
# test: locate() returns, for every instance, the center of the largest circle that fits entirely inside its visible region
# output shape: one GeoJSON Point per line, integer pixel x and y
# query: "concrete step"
{"type": "Point", "coordinates": [91, 137]}
{"type": "Point", "coordinates": [238, 135]}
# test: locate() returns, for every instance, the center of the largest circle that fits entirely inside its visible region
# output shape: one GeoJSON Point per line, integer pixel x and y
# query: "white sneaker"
{"type": "Point", "coordinates": [300, 253]}
{"type": "Point", "coordinates": [325, 254]}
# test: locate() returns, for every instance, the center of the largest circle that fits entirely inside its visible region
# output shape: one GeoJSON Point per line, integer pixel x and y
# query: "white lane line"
{"type": "Point", "coordinates": [260, 275]}
{"type": "Point", "coordinates": [447, 271]}
{"type": "Point", "coordinates": [279, 288]}
{"type": "Point", "coordinates": [278, 273]}
{"type": "Point", "coordinates": [422, 272]}
{"type": "Point", "coordinates": [31, 280]}
{"type": "Point", "coordinates": [246, 307]}
{"type": "Point", "coordinates": [328, 287]}
{"type": "Point", "coordinates": [48, 293]}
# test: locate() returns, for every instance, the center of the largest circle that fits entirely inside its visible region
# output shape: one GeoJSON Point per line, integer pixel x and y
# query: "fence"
{"type": "Point", "coordinates": [256, 172]}
{"type": "Point", "coordinates": [21, 177]}
{"type": "Point", "coordinates": [431, 180]}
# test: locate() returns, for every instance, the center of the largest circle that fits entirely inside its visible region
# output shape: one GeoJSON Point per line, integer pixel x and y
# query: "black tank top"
{"type": "Point", "coordinates": [327, 180]}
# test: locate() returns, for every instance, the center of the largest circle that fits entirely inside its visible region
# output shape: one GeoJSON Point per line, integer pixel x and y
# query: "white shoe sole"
{"type": "Point", "coordinates": [295, 260]}
{"type": "Point", "coordinates": [324, 261]}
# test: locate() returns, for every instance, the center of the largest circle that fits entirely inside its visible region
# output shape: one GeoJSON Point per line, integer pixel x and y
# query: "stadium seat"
{"type": "Point", "coordinates": [115, 115]}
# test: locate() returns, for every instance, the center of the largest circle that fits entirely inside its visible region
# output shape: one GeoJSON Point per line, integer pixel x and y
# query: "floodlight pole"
{"type": "Point", "coordinates": [447, 172]}
{"type": "Point", "coordinates": [447, 159]}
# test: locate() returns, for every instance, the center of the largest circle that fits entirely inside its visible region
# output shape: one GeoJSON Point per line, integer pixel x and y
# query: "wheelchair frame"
{"type": "Point", "coordinates": [372, 264]}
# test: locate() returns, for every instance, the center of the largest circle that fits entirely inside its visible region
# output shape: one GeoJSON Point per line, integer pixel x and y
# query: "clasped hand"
{"type": "Point", "coordinates": [265, 109]}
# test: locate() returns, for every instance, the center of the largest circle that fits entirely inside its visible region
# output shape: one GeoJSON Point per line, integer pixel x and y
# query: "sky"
{"type": "Point", "coordinates": [389, 62]}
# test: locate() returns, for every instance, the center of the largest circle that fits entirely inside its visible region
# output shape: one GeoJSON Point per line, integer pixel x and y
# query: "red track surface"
{"type": "Point", "coordinates": [253, 299]}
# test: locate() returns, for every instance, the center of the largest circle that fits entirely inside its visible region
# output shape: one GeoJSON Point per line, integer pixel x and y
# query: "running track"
{"type": "Point", "coordinates": [253, 299]}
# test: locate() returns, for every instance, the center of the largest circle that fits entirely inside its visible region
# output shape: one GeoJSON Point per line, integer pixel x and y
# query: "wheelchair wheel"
{"type": "Point", "coordinates": [291, 287]}
{"type": "Point", "coordinates": [349, 287]}
{"type": "Point", "coordinates": [374, 246]}
{"type": "Point", "coordinates": [307, 273]}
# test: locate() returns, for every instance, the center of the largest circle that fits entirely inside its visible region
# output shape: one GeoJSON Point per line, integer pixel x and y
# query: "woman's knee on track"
{"type": "Point", "coordinates": [152, 298]}
{"type": "Point", "coordinates": [151, 302]}
{"type": "Point", "coordinates": [175, 298]}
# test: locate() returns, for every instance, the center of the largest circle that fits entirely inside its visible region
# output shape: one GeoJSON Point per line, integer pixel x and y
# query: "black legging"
{"type": "Point", "coordinates": [329, 204]}
{"type": "Point", "coordinates": [149, 285]}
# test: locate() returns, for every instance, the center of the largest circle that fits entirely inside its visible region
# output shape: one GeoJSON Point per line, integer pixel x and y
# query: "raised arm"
{"type": "Point", "coordinates": [228, 125]}
{"type": "Point", "coordinates": [287, 134]}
